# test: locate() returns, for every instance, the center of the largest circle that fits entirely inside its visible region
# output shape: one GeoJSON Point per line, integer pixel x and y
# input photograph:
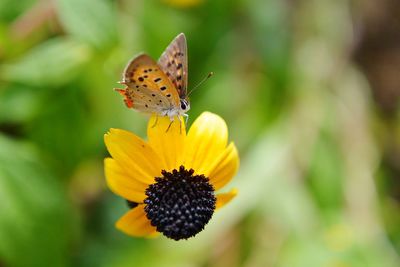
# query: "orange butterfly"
{"type": "Point", "coordinates": [158, 87]}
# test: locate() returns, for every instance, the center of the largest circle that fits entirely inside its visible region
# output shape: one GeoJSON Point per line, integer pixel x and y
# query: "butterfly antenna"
{"type": "Point", "coordinates": [201, 82]}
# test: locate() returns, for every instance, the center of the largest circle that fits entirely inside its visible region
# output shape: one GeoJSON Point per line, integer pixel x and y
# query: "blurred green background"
{"type": "Point", "coordinates": [309, 89]}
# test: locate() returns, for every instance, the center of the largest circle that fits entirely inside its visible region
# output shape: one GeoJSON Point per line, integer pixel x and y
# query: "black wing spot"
{"type": "Point", "coordinates": [146, 106]}
{"type": "Point", "coordinates": [178, 78]}
{"type": "Point", "coordinates": [179, 66]}
{"type": "Point", "coordinates": [141, 79]}
{"type": "Point", "coordinates": [153, 94]}
{"type": "Point", "coordinates": [137, 86]}
{"type": "Point", "coordinates": [162, 88]}
{"type": "Point", "coordinates": [145, 71]}
{"type": "Point", "coordinates": [157, 80]}
{"type": "Point", "coordinates": [150, 70]}
{"type": "Point", "coordinates": [144, 85]}
{"type": "Point", "coordinates": [160, 101]}
{"type": "Point", "coordinates": [145, 76]}
{"type": "Point", "coordinates": [168, 95]}
{"type": "Point", "coordinates": [179, 87]}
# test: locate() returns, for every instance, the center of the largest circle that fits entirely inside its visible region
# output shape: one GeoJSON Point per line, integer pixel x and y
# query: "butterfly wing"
{"type": "Point", "coordinates": [174, 64]}
{"type": "Point", "coordinates": [141, 100]}
{"type": "Point", "coordinates": [148, 87]}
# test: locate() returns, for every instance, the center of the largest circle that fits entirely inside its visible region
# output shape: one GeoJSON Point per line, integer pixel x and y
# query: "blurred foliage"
{"type": "Point", "coordinates": [318, 181]}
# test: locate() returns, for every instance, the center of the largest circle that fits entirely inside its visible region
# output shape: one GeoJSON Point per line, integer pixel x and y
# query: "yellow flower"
{"type": "Point", "coordinates": [170, 180]}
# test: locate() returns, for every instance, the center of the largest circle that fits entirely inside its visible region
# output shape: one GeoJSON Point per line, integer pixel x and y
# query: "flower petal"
{"type": "Point", "coordinates": [122, 183]}
{"type": "Point", "coordinates": [134, 155]}
{"type": "Point", "coordinates": [135, 223]}
{"type": "Point", "coordinates": [206, 140]}
{"type": "Point", "coordinates": [224, 167]}
{"type": "Point", "coordinates": [167, 140]}
{"type": "Point", "coordinates": [225, 198]}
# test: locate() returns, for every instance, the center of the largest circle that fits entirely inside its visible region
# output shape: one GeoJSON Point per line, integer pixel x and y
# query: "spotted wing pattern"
{"type": "Point", "coordinates": [174, 64]}
{"type": "Point", "coordinates": [148, 87]}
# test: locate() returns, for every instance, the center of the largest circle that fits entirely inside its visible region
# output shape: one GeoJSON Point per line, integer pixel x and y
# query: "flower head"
{"type": "Point", "coordinates": [170, 180]}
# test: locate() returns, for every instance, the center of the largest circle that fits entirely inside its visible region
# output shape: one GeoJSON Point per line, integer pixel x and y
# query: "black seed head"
{"type": "Point", "coordinates": [180, 204]}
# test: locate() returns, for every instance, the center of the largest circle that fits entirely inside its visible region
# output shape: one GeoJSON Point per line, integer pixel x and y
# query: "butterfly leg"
{"type": "Point", "coordinates": [180, 122]}
{"type": "Point", "coordinates": [169, 126]}
{"type": "Point", "coordinates": [186, 118]}
{"type": "Point", "coordinates": [155, 123]}
{"type": "Point", "coordinates": [172, 121]}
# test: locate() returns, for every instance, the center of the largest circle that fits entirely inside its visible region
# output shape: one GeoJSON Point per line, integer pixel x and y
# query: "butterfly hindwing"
{"type": "Point", "coordinates": [144, 100]}
{"type": "Point", "coordinates": [174, 64]}
{"type": "Point", "coordinates": [149, 88]}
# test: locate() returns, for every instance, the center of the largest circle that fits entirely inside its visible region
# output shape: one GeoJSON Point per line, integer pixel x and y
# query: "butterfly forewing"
{"type": "Point", "coordinates": [149, 89]}
{"type": "Point", "coordinates": [174, 64]}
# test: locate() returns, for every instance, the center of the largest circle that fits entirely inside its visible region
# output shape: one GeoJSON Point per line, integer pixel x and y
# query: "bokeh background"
{"type": "Point", "coordinates": [310, 92]}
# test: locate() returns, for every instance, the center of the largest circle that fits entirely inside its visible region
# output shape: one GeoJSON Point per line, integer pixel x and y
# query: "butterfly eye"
{"type": "Point", "coordinates": [183, 104]}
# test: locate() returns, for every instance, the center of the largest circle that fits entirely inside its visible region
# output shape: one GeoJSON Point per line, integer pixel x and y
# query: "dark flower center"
{"type": "Point", "coordinates": [180, 204]}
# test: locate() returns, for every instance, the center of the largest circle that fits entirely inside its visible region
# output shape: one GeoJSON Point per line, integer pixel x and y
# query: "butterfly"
{"type": "Point", "coordinates": [158, 87]}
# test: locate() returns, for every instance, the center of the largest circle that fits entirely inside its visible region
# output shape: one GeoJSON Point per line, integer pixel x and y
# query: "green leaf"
{"type": "Point", "coordinates": [10, 9]}
{"type": "Point", "coordinates": [92, 21]}
{"type": "Point", "coordinates": [53, 63]}
{"type": "Point", "coordinates": [18, 104]}
{"type": "Point", "coordinates": [35, 224]}
{"type": "Point", "coordinates": [60, 129]}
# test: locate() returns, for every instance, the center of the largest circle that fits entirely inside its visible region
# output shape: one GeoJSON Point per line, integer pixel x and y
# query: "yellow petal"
{"type": "Point", "coordinates": [134, 155]}
{"type": "Point", "coordinates": [135, 223]}
{"type": "Point", "coordinates": [206, 140]}
{"type": "Point", "coordinates": [122, 183]}
{"type": "Point", "coordinates": [224, 167]}
{"type": "Point", "coordinates": [225, 198]}
{"type": "Point", "coordinates": [167, 140]}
